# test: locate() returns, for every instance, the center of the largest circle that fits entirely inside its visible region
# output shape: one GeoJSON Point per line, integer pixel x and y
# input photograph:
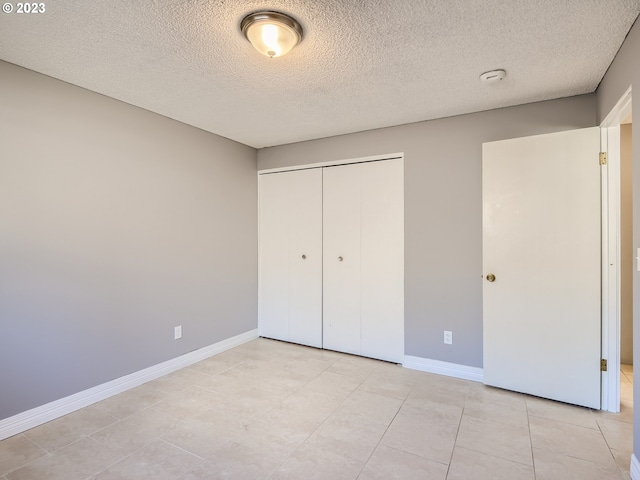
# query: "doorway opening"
{"type": "Point", "coordinates": [626, 266]}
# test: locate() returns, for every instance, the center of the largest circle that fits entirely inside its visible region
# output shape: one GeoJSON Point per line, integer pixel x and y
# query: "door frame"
{"type": "Point", "coordinates": [611, 238]}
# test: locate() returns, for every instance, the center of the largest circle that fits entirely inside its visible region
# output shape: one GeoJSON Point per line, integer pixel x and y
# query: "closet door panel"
{"type": "Point", "coordinates": [273, 279]}
{"type": "Point", "coordinates": [290, 286]}
{"type": "Point", "coordinates": [382, 253]}
{"type": "Point", "coordinates": [305, 259]}
{"type": "Point", "coordinates": [341, 258]}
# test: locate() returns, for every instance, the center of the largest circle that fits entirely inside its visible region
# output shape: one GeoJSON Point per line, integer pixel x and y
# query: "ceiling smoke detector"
{"type": "Point", "coordinates": [493, 76]}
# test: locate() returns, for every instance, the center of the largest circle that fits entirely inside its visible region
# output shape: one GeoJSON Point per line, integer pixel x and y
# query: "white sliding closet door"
{"type": "Point", "coordinates": [363, 273]}
{"type": "Point", "coordinates": [290, 268]}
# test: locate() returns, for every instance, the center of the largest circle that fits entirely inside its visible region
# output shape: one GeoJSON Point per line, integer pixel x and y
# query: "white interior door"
{"type": "Point", "coordinates": [363, 286]}
{"type": "Point", "coordinates": [541, 240]}
{"type": "Point", "coordinates": [290, 269]}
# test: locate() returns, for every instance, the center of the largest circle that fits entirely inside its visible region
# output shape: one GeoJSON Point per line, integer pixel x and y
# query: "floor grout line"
{"type": "Point", "coordinates": [533, 458]}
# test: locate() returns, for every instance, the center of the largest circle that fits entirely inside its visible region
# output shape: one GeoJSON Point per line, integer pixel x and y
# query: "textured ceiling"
{"type": "Point", "coordinates": [361, 64]}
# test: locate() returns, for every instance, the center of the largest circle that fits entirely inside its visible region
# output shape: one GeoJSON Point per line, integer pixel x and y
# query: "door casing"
{"type": "Point", "coordinates": [611, 238]}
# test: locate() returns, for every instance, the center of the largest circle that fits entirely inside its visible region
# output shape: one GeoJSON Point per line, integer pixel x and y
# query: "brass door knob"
{"type": "Point", "coordinates": [340, 259]}
{"type": "Point", "coordinates": [491, 277]}
{"type": "Point", "coordinates": [304, 257]}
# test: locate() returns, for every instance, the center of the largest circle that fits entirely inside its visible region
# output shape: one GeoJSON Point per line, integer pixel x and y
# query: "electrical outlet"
{"type": "Point", "coordinates": [448, 337]}
{"type": "Point", "coordinates": [177, 332]}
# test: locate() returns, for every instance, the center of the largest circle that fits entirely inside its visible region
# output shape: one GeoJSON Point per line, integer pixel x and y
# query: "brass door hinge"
{"type": "Point", "coordinates": [603, 365]}
{"type": "Point", "coordinates": [603, 158]}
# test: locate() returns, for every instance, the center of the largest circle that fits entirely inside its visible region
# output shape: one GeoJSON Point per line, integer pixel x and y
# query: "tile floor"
{"type": "Point", "coordinates": [273, 410]}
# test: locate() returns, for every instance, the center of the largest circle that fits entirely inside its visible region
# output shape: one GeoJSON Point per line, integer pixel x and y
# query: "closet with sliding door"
{"type": "Point", "coordinates": [331, 257]}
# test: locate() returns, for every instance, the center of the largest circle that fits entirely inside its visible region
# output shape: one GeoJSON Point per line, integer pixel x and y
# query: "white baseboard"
{"type": "Point", "coordinates": [50, 411]}
{"type": "Point", "coordinates": [443, 368]}
{"type": "Point", "coordinates": [635, 467]}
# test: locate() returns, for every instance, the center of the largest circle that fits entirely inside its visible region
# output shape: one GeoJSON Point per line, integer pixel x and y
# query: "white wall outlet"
{"type": "Point", "coordinates": [448, 337]}
{"type": "Point", "coordinates": [177, 332]}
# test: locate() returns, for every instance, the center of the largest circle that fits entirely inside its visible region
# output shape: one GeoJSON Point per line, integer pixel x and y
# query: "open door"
{"type": "Point", "coordinates": [542, 269]}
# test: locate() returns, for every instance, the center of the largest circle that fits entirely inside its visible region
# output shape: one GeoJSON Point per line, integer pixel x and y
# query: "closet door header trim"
{"type": "Point", "coordinates": [333, 163]}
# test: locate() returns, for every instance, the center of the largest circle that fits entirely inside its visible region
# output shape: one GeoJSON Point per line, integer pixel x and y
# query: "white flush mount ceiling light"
{"type": "Point", "coordinates": [271, 33]}
{"type": "Point", "coordinates": [493, 76]}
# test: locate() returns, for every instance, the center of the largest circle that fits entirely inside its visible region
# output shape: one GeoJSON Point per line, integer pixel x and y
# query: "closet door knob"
{"type": "Point", "coordinates": [340, 259]}
{"type": "Point", "coordinates": [304, 257]}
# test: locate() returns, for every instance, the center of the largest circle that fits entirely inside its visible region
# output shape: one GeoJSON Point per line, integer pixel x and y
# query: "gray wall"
{"type": "Point", "coordinates": [625, 72]}
{"type": "Point", "coordinates": [626, 246]}
{"type": "Point", "coordinates": [116, 224]}
{"type": "Point", "coordinates": [443, 210]}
